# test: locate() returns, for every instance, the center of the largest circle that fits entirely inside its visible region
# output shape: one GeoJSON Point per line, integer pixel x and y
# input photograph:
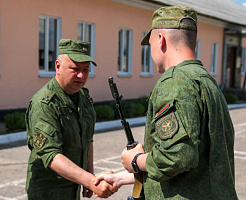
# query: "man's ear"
{"type": "Point", "coordinates": [57, 66]}
{"type": "Point", "coordinates": [162, 42]}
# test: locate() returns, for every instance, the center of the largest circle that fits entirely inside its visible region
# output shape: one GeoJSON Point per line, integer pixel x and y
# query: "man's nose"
{"type": "Point", "coordinates": [80, 74]}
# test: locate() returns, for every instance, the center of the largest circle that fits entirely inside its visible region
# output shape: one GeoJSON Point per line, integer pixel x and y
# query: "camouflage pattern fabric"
{"type": "Point", "coordinates": [170, 17]}
{"type": "Point", "coordinates": [55, 125]}
{"type": "Point", "coordinates": [189, 137]}
{"type": "Point", "coordinates": [77, 50]}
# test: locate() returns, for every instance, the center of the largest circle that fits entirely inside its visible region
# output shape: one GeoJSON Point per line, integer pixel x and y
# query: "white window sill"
{"type": "Point", "coordinates": [144, 74]}
{"type": "Point", "coordinates": [124, 74]}
{"type": "Point", "coordinates": [213, 74]}
{"type": "Point", "coordinates": [47, 74]}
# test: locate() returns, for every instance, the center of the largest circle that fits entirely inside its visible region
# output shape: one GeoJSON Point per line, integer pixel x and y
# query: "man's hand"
{"type": "Point", "coordinates": [110, 178]}
{"type": "Point", "coordinates": [128, 155]}
{"type": "Point", "coordinates": [103, 189]}
{"type": "Point", "coordinates": [115, 179]}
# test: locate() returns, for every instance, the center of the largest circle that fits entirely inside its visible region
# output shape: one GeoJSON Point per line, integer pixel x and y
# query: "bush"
{"type": "Point", "coordinates": [127, 108]}
{"type": "Point", "coordinates": [15, 121]}
{"type": "Point", "coordinates": [144, 101]}
{"type": "Point", "coordinates": [138, 109]}
{"type": "Point", "coordinates": [230, 98]}
{"type": "Point", "coordinates": [132, 109]}
{"type": "Point", "coordinates": [104, 112]}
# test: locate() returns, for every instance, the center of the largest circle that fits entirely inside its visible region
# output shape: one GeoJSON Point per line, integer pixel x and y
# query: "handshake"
{"type": "Point", "coordinates": [108, 183]}
{"type": "Point", "coordinates": [105, 185]}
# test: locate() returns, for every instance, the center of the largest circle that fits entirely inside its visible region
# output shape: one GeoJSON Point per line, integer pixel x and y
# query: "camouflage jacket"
{"type": "Point", "coordinates": [189, 137]}
{"type": "Point", "coordinates": [55, 125]}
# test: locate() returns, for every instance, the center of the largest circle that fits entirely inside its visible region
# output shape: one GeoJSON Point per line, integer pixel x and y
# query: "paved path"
{"type": "Point", "coordinates": [108, 146]}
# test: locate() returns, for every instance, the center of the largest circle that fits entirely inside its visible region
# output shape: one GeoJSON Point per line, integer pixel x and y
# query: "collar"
{"type": "Point", "coordinates": [169, 73]}
{"type": "Point", "coordinates": [62, 94]}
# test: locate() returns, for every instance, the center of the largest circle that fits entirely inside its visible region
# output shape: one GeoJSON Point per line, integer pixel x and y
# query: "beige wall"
{"type": "Point", "coordinates": [19, 37]}
{"type": "Point", "coordinates": [19, 79]}
{"type": "Point", "coordinates": [209, 34]}
{"type": "Point", "coordinates": [244, 42]}
{"type": "Point", "coordinates": [243, 77]}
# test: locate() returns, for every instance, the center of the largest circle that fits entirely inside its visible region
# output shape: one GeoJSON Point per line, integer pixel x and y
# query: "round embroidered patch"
{"type": "Point", "coordinates": [39, 140]}
{"type": "Point", "coordinates": [167, 126]}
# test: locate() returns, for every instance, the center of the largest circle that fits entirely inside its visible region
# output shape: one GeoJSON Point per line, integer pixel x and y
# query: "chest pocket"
{"type": "Point", "coordinates": [88, 118]}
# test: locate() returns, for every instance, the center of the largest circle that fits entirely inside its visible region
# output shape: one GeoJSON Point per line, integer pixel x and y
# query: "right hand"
{"type": "Point", "coordinates": [128, 155]}
{"type": "Point", "coordinates": [104, 189]}
{"type": "Point", "coordinates": [109, 178]}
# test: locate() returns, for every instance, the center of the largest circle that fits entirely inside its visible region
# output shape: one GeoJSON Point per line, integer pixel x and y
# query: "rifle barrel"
{"type": "Point", "coordinates": [125, 124]}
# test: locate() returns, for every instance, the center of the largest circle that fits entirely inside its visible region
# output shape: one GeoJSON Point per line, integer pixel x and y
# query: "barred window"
{"type": "Point", "coordinates": [49, 36]}
{"type": "Point", "coordinates": [214, 59]}
{"type": "Point", "coordinates": [243, 69]}
{"type": "Point", "coordinates": [86, 32]}
{"type": "Point", "coordinates": [146, 61]}
{"type": "Point", "coordinates": [125, 52]}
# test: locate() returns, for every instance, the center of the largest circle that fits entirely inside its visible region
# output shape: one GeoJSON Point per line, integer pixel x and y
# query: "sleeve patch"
{"type": "Point", "coordinates": [162, 111]}
{"type": "Point", "coordinates": [167, 126]}
{"type": "Point", "coordinates": [39, 140]}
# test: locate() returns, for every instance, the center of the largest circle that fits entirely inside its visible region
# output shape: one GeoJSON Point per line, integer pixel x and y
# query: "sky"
{"type": "Point", "coordinates": [243, 2]}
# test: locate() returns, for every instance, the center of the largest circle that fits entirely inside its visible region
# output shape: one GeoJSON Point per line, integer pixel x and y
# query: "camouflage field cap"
{"type": "Point", "coordinates": [169, 17]}
{"type": "Point", "coordinates": [78, 51]}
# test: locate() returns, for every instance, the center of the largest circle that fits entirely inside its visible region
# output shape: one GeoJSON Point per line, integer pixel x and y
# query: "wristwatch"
{"type": "Point", "coordinates": [134, 163]}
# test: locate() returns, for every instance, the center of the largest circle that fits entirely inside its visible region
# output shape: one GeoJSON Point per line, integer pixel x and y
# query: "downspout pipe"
{"type": "Point", "coordinates": [224, 57]}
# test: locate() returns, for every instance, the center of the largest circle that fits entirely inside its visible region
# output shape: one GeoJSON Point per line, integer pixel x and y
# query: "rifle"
{"type": "Point", "coordinates": [131, 143]}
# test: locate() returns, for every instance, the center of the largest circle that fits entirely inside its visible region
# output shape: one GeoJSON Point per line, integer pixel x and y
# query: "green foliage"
{"type": "Point", "coordinates": [132, 109]}
{"type": "Point", "coordinates": [144, 101]}
{"type": "Point", "coordinates": [104, 112]}
{"type": "Point", "coordinates": [138, 109]}
{"type": "Point", "coordinates": [230, 98]}
{"type": "Point", "coordinates": [15, 121]}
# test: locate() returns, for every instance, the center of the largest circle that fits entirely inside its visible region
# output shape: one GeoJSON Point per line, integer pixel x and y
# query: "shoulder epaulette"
{"type": "Point", "coordinates": [47, 96]}
{"type": "Point", "coordinates": [89, 100]}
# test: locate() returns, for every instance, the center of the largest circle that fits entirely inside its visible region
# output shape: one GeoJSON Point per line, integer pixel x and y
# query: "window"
{"type": "Point", "coordinates": [243, 69]}
{"type": "Point", "coordinates": [214, 57]}
{"type": "Point", "coordinates": [146, 61]}
{"type": "Point", "coordinates": [86, 32]}
{"type": "Point", "coordinates": [49, 36]}
{"type": "Point", "coordinates": [198, 43]}
{"type": "Point", "coordinates": [125, 52]}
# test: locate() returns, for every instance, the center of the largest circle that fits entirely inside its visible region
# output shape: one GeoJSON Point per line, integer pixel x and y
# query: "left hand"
{"type": "Point", "coordinates": [87, 192]}
{"type": "Point", "coordinates": [128, 155]}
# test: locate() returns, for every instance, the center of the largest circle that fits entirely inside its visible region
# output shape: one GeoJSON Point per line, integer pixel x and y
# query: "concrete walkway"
{"type": "Point", "coordinates": [99, 127]}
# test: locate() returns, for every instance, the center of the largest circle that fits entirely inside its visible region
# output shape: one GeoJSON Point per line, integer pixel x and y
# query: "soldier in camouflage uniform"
{"type": "Point", "coordinates": [189, 135]}
{"type": "Point", "coordinates": [60, 125]}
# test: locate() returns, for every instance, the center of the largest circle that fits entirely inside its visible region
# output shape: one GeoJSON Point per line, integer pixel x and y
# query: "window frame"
{"type": "Point", "coordinates": [145, 49]}
{"type": "Point", "coordinates": [92, 36]}
{"type": "Point", "coordinates": [198, 48]}
{"type": "Point", "coordinates": [120, 72]}
{"type": "Point", "coordinates": [46, 72]}
{"type": "Point", "coordinates": [243, 68]}
{"type": "Point", "coordinates": [214, 59]}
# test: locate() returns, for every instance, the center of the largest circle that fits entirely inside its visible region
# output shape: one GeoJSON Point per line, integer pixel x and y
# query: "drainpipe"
{"type": "Point", "coordinates": [224, 57]}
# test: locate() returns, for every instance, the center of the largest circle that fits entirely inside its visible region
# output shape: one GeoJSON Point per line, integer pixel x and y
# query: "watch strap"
{"type": "Point", "coordinates": [134, 163]}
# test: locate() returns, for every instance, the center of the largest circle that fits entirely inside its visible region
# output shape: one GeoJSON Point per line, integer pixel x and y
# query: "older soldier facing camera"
{"type": "Point", "coordinates": [189, 136]}
{"type": "Point", "coordinates": [60, 125]}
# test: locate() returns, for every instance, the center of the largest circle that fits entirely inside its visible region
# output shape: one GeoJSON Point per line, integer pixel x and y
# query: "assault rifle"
{"type": "Point", "coordinates": [131, 143]}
